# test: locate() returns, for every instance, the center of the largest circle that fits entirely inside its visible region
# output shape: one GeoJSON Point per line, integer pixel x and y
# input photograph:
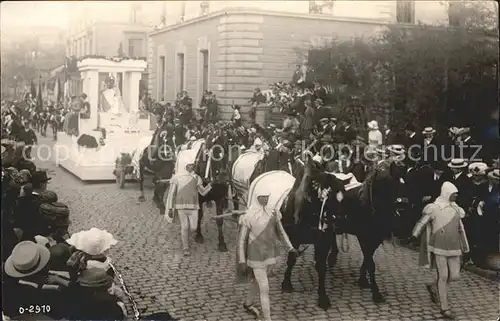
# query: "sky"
{"type": "Point", "coordinates": [33, 14]}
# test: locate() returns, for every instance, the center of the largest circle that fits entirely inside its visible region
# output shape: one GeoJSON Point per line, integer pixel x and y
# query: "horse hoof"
{"type": "Point", "coordinates": [324, 303]}
{"type": "Point", "coordinates": [286, 287]}
{"type": "Point", "coordinates": [199, 239]}
{"type": "Point", "coordinates": [378, 298]}
{"type": "Point", "coordinates": [222, 247]}
{"type": "Point", "coordinates": [142, 199]}
{"type": "Point", "coordinates": [363, 283]}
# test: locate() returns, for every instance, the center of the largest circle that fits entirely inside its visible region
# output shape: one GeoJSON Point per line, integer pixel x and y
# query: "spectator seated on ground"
{"type": "Point", "coordinates": [28, 282]}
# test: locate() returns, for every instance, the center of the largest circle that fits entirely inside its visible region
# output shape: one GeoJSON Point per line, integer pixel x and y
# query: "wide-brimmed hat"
{"type": "Point", "coordinates": [478, 169]}
{"type": "Point", "coordinates": [95, 278]}
{"type": "Point", "coordinates": [457, 163]}
{"type": "Point", "coordinates": [48, 197]}
{"type": "Point", "coordinates": [317, 158]}
{"type": "Point", "coordinates": [263, 194]}
{"type": "Point", "coordinates": [324, 119]}
{"type": "Point", "coordinates": [27, 258]}
{"type": "Point", "coordinates": [93, 241]}
{"type": "Point", "coordinates": [494, 174]}
{"type": "Point", "coordinates": [373, 125]}
{"type": "Point", "coordinates": [381, 151]}
{"type": "Point", "coordinates": [428, 130]}
{"type": "Point", "coordinates": [396, 149]}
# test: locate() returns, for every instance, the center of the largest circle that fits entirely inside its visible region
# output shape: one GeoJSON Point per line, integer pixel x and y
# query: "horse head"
{"type": "Point", "coordinates": [212, 163]}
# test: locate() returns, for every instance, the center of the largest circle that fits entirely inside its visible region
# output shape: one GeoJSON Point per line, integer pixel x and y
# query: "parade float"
{"type": "Point", "coordinates": [89, 146]}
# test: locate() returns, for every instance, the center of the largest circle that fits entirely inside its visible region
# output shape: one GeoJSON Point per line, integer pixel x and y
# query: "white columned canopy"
{"type": "Point", "coordinates": [131, 70]}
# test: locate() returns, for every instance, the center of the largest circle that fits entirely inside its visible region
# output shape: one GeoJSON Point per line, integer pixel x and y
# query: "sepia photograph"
{"type": "Point", "coordinates": [237, 160]}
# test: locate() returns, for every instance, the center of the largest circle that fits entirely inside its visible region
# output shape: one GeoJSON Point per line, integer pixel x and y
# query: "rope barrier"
{"type": "Point", "coordinates": [137, 314]}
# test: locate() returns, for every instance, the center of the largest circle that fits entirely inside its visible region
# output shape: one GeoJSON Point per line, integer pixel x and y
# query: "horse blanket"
{"type": "Point", "coordinates": [276, 184]}
{"type": "Point", "coordinates": [243, 169]}
{"type": "Point", "coordinates": [187, 155]}
{"type": "Point", "coordinates": [138, 152]}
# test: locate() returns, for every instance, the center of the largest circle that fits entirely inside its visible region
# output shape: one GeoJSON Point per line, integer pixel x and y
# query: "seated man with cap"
{"type": "Point", "coordinates": [28, 283]}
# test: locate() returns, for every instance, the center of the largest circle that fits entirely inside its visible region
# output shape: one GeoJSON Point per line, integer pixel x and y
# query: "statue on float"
{"type": "Point", "coordinates": [112, 107]}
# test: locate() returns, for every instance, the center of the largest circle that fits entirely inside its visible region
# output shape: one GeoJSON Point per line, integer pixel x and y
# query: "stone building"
{"type": "Point", "coordinates": [110, 28]}
{"type": "Point", "coordinates": [232, 47]}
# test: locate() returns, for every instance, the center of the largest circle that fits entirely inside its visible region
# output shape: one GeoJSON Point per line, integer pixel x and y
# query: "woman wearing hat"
{"type": "Point", "coordinates": [258, 250]}
{"type": "Point", "coordinates": [375, 137]}
{"type": "Point", "coordinates": [443, 243]}
{"type": "Point", "coordinates": [236, 117]}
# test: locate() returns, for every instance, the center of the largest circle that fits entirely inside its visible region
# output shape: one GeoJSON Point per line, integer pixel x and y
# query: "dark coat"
{"type": "Point", "coordinates": [390, 137]}
{"type": "Point", "coordinates": [465, 188]}
{"type": "Point", "coordinates": [358, 170]}
{"type": "Point", "coordinates": [428, 185]}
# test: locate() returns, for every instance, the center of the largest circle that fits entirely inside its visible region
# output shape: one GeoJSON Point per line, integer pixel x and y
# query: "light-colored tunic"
{"type": "Point", "coordinates": [446, 234]}
{"type": "Point", "coordinates": [260, 233]}
{"type": "Point", "coordinates": [184, 190]}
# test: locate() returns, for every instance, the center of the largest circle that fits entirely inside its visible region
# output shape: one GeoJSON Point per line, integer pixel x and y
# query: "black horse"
{"type": "Point", "coordinates": [215, 155]}
{"type": "Point", "coordinates": [369, 212]}
{"type": "Point", "coordinates": [159, 158]}
{"type": "Point", "coordinates": [308, 219]}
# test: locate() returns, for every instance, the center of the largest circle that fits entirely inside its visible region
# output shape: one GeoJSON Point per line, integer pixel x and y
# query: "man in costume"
{"type": "Point", "coordinates": [183, 197]}
{"type": "Point", "coordinates": [443, 242]}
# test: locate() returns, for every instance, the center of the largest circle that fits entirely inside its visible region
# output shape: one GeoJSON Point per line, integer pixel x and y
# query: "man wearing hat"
{"type": "Point", "coordinates": [412, 137]}
{"type": "Point", "coordinates": [491, 214]}
{"type": "Point", "coordinates": [291, 123]}
{"type": "Point", "coordinates": [458, 167]}
{"type": "Point", "coordinates": [432, 147]}
{"type": "Point", "coordinates": [27, 271]}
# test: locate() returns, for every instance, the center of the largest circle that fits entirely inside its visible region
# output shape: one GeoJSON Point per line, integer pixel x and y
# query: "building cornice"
{"type": "Point", "coordinates": [252, 11]}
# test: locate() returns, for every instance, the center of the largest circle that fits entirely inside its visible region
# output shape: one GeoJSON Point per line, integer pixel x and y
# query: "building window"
{"type": "Point", "coordinates": [135, 47]}
{"type": "Point", "coordinates": [204, 7]}
{"type": "Point", "coordinates": [319, 7]}
{"type": "Point", "coordinates": [180, 63]}
{"type": "Point", "coordinates": [134, 12]}
{"type": "Point", "coordinates": [205, 70]}
{"type": "Point", "coordinates": [161, 90]}
{"type": "Point", "coordinates": [405, 11]}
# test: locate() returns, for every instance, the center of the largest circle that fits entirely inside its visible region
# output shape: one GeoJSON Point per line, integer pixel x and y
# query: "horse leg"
{"type": "Point", "coordinates": [141, 181]}
{"type": "Point", "coordinates": [159, 191]}
{"type": "Point", "coordinates": [199, 237]}
{"type": "Point", "coordinates": [369, 247]}
{"type": "Point", "coordinates": [334, 252]}
{"type": "Point", "coordinates": [363, 272]}
{"type": "Point", "coordinates": [286, 285]}
{"type": "Point", "coordinates": [222, 243]}
{"type": "Point", "coordinates": [321, 250]}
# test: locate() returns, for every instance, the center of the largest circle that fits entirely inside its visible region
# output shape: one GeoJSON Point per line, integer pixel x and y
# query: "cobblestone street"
{"type": "Point", "coordinates": [201, 287]}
